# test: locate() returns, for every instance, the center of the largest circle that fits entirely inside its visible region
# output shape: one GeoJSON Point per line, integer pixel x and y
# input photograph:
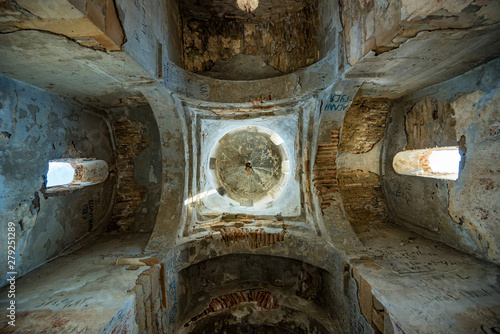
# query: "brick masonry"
{"type": "Point", "coordinates": [206, 41]}
{"type": "Point", "coordinates": [255, 238]}
{"type": "Point", "coordinates": [264, 299]}
{"type": "Point", "coordinates": [430, 123]}
{"type": "Point", "coordinates": [364, 201]}
{"type": "Point", "coordinates": [325, 170]}
{"type": "Point", "coordinates": [130, 141]}
{"type": "Point", "coordinates": [364, 125]}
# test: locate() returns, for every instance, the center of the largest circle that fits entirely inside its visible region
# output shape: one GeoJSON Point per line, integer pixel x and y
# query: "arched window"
{"type": "Point", "coordinates": [71, 174]}
{"type": "Point", "coordinates": [439, 163]}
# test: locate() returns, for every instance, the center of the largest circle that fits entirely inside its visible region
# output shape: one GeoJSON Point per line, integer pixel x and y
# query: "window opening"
{"type": "Point", "coordinates": [439, 163]}
{"type": "Point", "coordinates": [71, 174]}
{"type": "Point", "coordinates": [59, 173]}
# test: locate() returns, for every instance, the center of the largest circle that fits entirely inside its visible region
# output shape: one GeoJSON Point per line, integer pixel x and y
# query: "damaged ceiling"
{"type": "Point", "coordinates": [251, 185]}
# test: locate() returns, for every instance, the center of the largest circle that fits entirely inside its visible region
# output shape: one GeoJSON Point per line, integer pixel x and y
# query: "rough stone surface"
{"type": "Point", "coordinates": [429, 124]}
{"type": "Point", "coordinates": [286, 40]}
{"type": "Point", "coordinates": [130, 140]}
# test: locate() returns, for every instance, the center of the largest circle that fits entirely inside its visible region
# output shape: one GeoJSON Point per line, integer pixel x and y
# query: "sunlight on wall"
{"type": "Point", "coordinates": [200, 196]}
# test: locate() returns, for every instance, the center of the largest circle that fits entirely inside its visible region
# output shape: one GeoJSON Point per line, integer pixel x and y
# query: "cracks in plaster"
{"type": "Point", "coordinates": [69, 39]}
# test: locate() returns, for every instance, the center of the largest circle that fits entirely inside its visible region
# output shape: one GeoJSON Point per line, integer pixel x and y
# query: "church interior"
{"type": "Point", "coordinates": [250, 166]}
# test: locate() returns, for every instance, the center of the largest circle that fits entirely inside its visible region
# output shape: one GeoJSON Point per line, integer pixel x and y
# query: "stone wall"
{"type": "Point", "coordinates": [255, 238]}
{"type": "Point", "coordinates": [357, 174]}
{"type": "Point", "coordinates": [430, 123]}
{"type": "Point", "coordinates": [138, 168]}
{"type": "Point", "coordinates": [371, 308]}
{"type": "Point", "coordinates": [218, 292]}
{"type": "Point", "coordinates": [286, 43]}
{"type": "Point", "coordinates": [150, 300]}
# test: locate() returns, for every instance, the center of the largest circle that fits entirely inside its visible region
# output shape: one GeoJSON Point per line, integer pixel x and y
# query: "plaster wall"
{"type": "Point", "coordinates": [152, 30]}
{"type": "Point", "coordinates": [174, 148]}
{"type": "Point", "coordinates": [461, 213]}
{"type": "Point", "coordinates": [37, 127]}
{"type": "Point", "coordinates": [85, 291]}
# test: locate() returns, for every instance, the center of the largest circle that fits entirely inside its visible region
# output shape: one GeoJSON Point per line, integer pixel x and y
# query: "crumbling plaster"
{"type": "Point", "coordinates": [36, 127]}
{"type": "Point", "coordinates": [47, 301]}
{"type": "Point", "coordinates": [374, 273]}
{"type": "Point", "coordinates": [460, 213]}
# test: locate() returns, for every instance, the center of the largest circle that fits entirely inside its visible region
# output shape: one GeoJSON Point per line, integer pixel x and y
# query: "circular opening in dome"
{"type": "Point", "coordinates": [247, 5]}
{"type": "Point", "coordinates": [251, 165]}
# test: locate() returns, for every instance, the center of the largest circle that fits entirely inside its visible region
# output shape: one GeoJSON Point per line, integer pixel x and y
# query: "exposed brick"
{"type": "Point", "coordinates": [255, 238]}
{"type": "Point", "coordinates": [325, 170]}
{"type": "Point", "coordinates": [364, 201]}
{"type": "Point", "coordinates": [130, 140]}
{"type": "Point", "coordinates": [364, 124]}
{"type": "Point", "coordinates": [264, 299]}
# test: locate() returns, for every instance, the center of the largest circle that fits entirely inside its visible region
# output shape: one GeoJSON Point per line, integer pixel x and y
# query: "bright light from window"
{"type": "Point", "coordinates": [199, 196]}
{"type": "Point", "coordinates": [439, 163]}
{"type": "Point", "coordinates": [60, 173]}
{"type": "Point", "coordinates": [248, 5]}
{"type": "Point", "coordinates": [445, 161]}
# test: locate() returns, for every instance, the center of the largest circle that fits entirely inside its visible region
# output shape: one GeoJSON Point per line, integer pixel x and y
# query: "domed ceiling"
{"type": "Point", "coordinates": [246, 166]}
{"type": "Point", "coordinates": [282, 35]}
{"type": "Point", "coordinates": [249, 165]}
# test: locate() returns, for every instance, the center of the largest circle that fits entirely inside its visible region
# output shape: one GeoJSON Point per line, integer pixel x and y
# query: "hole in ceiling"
{"type": "Point", "coordinates": [251, 165]}
{"type": "Point", "coordinates": [248, 5]}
